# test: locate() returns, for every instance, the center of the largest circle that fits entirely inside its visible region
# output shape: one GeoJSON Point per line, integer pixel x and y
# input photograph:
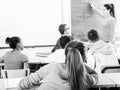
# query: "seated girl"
{"type": "Point", "coordinates": [74, 74]}
{"type": "Point", "coordinates": [14, 59]}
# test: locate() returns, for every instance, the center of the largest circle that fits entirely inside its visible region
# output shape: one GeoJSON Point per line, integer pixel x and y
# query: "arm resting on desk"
{"type": "Point", "coordinates": [91, 79]}
{"type": "Point", "coordinates": [31, 80]}
{"type": "Point", "coordinates": [91, 76]}
{"type": "Point", "coordinates": [35, 78]}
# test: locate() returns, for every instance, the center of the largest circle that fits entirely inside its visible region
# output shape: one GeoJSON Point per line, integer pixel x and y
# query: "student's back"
{"type": "Point", "coordinates": [106, 50]}
{"type": "Point", "coordinates": [14, 59]}
{"type": "Point", "coordinates": [56, 76]}
{"type": "Point", "coordinates": [100, 53]}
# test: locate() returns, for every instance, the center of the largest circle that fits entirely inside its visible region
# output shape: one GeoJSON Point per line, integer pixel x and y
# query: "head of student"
{"type": "Point", "coordinates": [75, 67]}
{"type": "Point", "coordinates": [14, 42]}
{"type": "Point", "coordinates": [64, 40]}
{"type": "Point", "coordinates": [110, 9]}
{"type": "Point", "coordinates": [93, 35]}
{"type": "Point", "coordinates": [63, 29]}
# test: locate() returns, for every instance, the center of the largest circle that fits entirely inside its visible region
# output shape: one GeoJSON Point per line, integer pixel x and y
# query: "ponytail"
{"type": "Point", "coordinates": [75, 69]}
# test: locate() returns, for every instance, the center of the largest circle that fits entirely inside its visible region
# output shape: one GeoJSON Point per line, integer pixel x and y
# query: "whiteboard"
{"type": "Point", "coordinates": [34, 21]}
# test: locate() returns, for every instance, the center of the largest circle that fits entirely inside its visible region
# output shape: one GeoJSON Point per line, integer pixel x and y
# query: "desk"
{"type": "Point", "coordinates": [115, 77]}
{"type": "Point", "coordinates": [103, 81]}
{"type": "Point", "coordinates": [10, 84]}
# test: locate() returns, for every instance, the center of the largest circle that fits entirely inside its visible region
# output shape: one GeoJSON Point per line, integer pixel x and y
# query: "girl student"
{"type": "Point", "coordinates": [74, 74]}
{"type": "Point", "coordinates": [14, 59]}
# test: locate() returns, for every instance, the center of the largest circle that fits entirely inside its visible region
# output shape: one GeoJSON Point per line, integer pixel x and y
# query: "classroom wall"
{"type": "Point", "coordinates": [35, 21]}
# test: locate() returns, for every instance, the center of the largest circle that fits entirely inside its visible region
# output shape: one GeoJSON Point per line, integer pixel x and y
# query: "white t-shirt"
{"type": "Point", "coordinates": [14, 60]}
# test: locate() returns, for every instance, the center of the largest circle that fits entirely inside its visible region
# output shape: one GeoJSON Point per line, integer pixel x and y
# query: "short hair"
{"type": "Point", "coordinates": [64, 40]}
{"type": "Point", "coordinates": [93, 35]}
{"type": "Point", "coordinates": [13, 41]}
{"type": "Point", "coordinates": [62, 28]}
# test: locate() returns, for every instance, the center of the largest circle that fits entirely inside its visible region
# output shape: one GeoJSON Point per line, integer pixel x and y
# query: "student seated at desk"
{"type": "Point", "coordinates": [59, 54]}
{"type": "Point", "coordinates": [74, 74]}
{"type": "Point", "coordinates": [64, 31]}
{"type": "Point", "coordinates": [14, 59]}
{"type": "Point", "coordinates": [100, 53]}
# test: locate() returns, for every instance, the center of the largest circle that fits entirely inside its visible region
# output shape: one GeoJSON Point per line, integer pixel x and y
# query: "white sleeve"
{"type": "Point", "coordinates": [33, 79]}
{"type": "Point", "coordinates": [90, 60]}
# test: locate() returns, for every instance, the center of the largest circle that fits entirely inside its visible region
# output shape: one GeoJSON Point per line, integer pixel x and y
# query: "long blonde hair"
{"type": "Point", "coordinates": [75, 65]}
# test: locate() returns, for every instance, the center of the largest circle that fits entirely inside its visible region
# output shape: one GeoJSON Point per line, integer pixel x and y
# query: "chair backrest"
{"type": "Point", "coordinates": [110, 69]}
{"type": "Point", "coordinates": [1, 67]}
{"type": "Point", "coordinates": [18, 73]}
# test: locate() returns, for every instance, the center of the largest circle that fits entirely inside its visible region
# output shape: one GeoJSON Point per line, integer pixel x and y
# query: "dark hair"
{"type": "Point", "coordinates": [78, 45]}
{"type": "Point", "coordinates": [62, 28]}
{"type": "Point", "coordinates": [93, 35]}
{"type": "Point", "coordinates": [75, 69]}
{"type": "Point", "coordinates": [13, 41]}
{"type": "Point", "coordinates": [64, 40]}
{"type": "Point", "coordinates": [111, 8]}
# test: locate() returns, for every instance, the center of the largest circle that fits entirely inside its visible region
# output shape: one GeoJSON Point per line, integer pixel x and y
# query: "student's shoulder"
{"type": "Point", "coordinates": [7, 53]}
{"type": "Point", "coordinates": [54, 64]}
{"type": "Point", "coordinates": [22, 55]}
{"type": "Point", "coordinates": [49, 68]}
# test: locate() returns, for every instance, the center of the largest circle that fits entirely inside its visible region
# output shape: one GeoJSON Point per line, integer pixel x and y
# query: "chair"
{"type": "Point", "coordinates": [1, 67]}
{"type": "Point", "coordinates": [18, 73]}
{"type": "Point", "coordinates": [110, 69]}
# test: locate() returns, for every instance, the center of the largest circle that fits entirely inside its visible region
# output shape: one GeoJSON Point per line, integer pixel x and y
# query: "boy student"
{"type": "Point", "coordinates": [59, 54]}
{"type": "Point", "coordinates": [100, 53]}
{"type": "Point", "coordinates": [64, 30]}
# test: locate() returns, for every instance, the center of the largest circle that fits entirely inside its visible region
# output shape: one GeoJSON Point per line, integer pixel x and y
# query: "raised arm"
{"type": "Point", "coordinates": [95, 10]}
{"type": "Point", "coordinates": [98, 12]}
